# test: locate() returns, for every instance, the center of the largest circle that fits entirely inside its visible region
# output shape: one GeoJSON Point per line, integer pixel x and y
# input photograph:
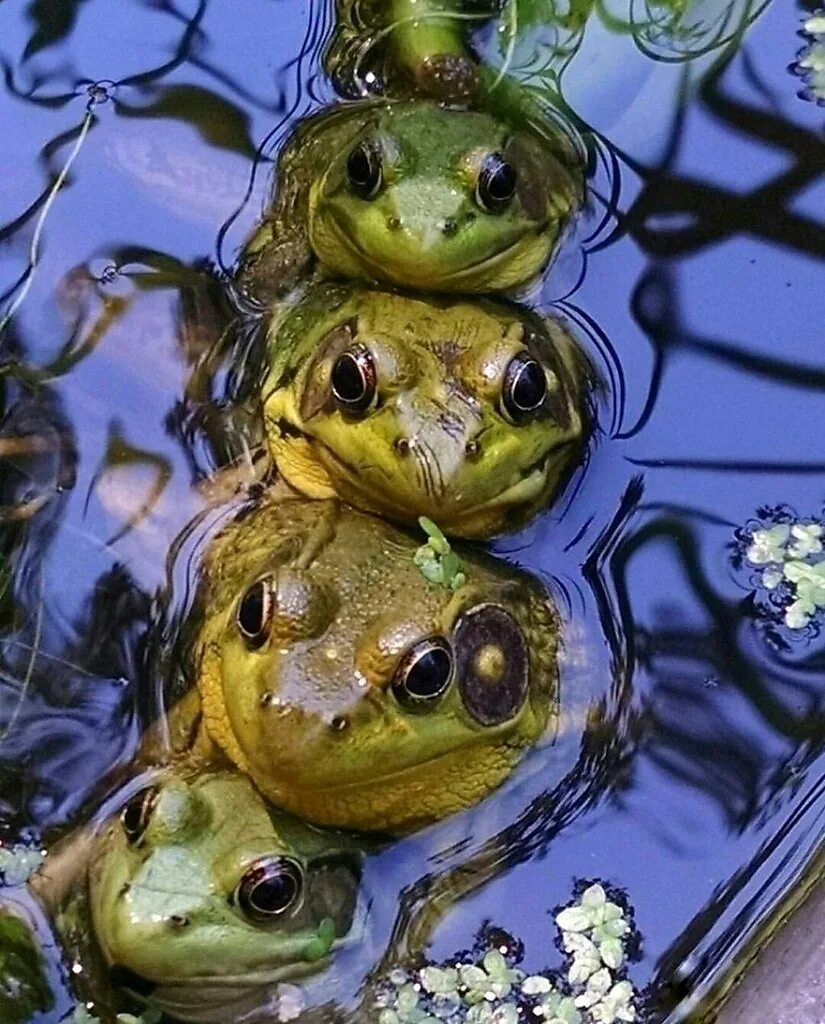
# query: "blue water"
{"type": "Point", "coordinates": [698, 291]}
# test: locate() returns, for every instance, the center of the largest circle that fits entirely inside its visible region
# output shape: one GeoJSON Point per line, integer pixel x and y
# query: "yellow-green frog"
{"type": "Point", "coordinates": [413, 194]}
{"type": "Point", "coordinates": [354, 691]}
{"type": "Point", "coordinates": [200, 898]}
{"type": "Point", "coordinates": [472, 413]}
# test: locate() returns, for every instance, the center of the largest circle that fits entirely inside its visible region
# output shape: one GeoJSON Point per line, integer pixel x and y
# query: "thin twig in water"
{"type": "Point", "coordinates": [34, 248]}
{"type": "Point", "coordinates": [27, 678]}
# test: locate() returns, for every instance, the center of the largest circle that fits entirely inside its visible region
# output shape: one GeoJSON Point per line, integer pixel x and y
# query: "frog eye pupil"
{"type": "Point", "coordinates": [525, 387]}
{"type": "Point", "coordinates": [496, 183]}
{"type": "Point", "coordinates": [254, 613]}
{"type": "Point", "coordinates": [353, 380]}
{"type": "Point", "coordinates": [269, 888]}
{"type": "Point", "coordinates": [364, 171]}
{"type": "Point", "coordinates": [424, 674]}
{"type": "Point", "coordinates": [137, 813]}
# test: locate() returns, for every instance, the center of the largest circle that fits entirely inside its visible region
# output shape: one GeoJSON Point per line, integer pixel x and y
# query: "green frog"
{"type": "Point", "coordinates": [199, 897]}
{"type": "Point", "coordinates": [414, 194]}
{"type": "Point", "coordinates": [471, 413]}
{"type": "Point", "coordinates": [354, 690]}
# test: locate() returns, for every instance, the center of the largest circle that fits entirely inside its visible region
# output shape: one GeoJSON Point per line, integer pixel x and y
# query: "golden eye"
{"type": "Point", "coordinates": [137, 813]}
{"type": "Point", "coordinates": [354, 380]}
{"type": "Point", "coordinates": [364, 170]}
{"type": "Point", "coordinates": [423, 674]}
{"type": "Point", "coordinates": [269, 888]}
{"type": "Point", "coordinates": [254, 614]}
{"type": "Point", "coordinates": [524, 388]}
{"type": "Point", "coordinates": [496, 183]}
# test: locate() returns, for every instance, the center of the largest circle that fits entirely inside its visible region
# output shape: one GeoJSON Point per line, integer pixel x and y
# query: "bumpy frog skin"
{"type": "Point", "coordinates": [470, 413]}
{"type": "Point", "coordinates": [354, 692]}
{"type": "Point", "coordinates": [199, 896]}
{"type": "Point", "coordinates": [416, 195]}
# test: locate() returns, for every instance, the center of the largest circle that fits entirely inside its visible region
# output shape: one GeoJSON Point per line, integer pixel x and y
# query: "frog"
{"type": "Point", "coordinates": [473, 413]}
{"type": "Point", "coordinates": [353, 690]}
{"type": "Point", "coordinates": [198, 897]}
{"type": "Point", "coordinates": [414, 194]}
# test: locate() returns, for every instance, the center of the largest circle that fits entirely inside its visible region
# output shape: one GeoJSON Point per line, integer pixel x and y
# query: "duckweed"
{"type": "Point", "coordinates": [488, 987]}
{"type": "Point", "coordinates": [810, 62]}
{"type": "Point", "coordinates": [791, 561]}
{"type": "Point", "coordinates": [436, 559]}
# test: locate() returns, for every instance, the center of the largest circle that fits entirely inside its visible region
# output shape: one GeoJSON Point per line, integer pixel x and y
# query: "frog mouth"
{"type": "Point", "coordinates": [125, 977]}
{"type": "Point", "coordinates": [530, 484]}
{"type": "Point", "coordinates": [526, 489]}
{"type": "Point", "coordinates": [409, 270]}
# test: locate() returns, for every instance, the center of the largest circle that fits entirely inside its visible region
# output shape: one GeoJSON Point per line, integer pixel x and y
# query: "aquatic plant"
{"type": "Point", "coordinates": [487, 986]}
{"type": "Point", "coordinates": [789, 557]}
{"type": "Point", "coordinates": [437, 560]}
{"type": "Point", "coordinates": [810, 61]}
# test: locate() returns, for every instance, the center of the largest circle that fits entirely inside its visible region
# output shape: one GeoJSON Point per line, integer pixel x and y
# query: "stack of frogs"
{"type": "Point", "coordinates": [339, 675]}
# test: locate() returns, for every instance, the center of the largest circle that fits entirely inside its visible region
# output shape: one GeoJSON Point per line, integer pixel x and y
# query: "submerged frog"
{"type": "Point", "coordinates": [417, 195]}
{"type": "Point", "coordinates": [352, 690]}
{"type": "Point", "coordinates": [200, 898]}
{"type": "Point", "coordinates": [470, 413]}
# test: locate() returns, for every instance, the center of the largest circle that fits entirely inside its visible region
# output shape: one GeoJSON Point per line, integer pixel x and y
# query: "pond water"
{"type": "Point", "coordinates": [693, 277]}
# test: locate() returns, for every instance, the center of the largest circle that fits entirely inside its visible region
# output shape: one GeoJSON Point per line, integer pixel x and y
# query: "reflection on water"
{"type": "Point", "coordinates": [687, 768]}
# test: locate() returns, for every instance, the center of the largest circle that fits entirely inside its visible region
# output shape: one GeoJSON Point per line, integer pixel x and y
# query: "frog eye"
{"type": "Point", "coordinates": [496, 183]}
{"type": "Point", "coordinates": [423, 674]}
{"type": "Point", "coordinates": [254, 613]}
{"type": "Point", "coordinates": [353, 380]}
{"type": "Point", "coordinates": [268, 888]}
{"type": "Point", "coordinates": [364, 170]}
{"type": "Point", "coordinates": [524, 388]}
{"type": "Point", "coordinates": [137, 814]}
{"type": "Point", "coordinates": [492, 664]}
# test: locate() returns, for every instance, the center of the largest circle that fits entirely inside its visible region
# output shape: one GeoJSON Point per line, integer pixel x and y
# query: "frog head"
{"type": "Point", "coordinates": [470, 414]}
{"type": "Point", "coordinates": [444, 199]}
{"type": "Point", "coordinates": [354, 691]}
{"type": "Point", "coordinates": [195, 884]}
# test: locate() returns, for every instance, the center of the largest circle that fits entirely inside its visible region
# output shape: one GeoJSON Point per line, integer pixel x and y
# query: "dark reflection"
{"type": "Point", "coordinates": [53, 21]}
{"type": "Point", "coordinates": [57, 686]}
{"type": "Point", "coordinates": [218, 417]}
{"type": "Point", "coordinates": [68, 703]}
{"type": "Point", "coordinates": [219, 121]}
{"type": "Point", "coordinates": [657, 310]}
{"type": "Point", "coordinates": [698, 213]}
{"type": "Point", "coordinates": [37, 468]}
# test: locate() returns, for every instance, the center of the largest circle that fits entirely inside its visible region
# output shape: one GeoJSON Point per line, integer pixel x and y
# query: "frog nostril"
{"type": "Point", "coordinates": [178, 920]}
{"type": "Point", "coordinates": [450, 226]}
{"type": "Point", "coordinates": [393, 223]}
{"type": "Point", "coordinates": [472, 449]}
{"type": "Point", "coordinates": [402, 446]}
{"type": "Point", "coordinates": [340, 723]}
